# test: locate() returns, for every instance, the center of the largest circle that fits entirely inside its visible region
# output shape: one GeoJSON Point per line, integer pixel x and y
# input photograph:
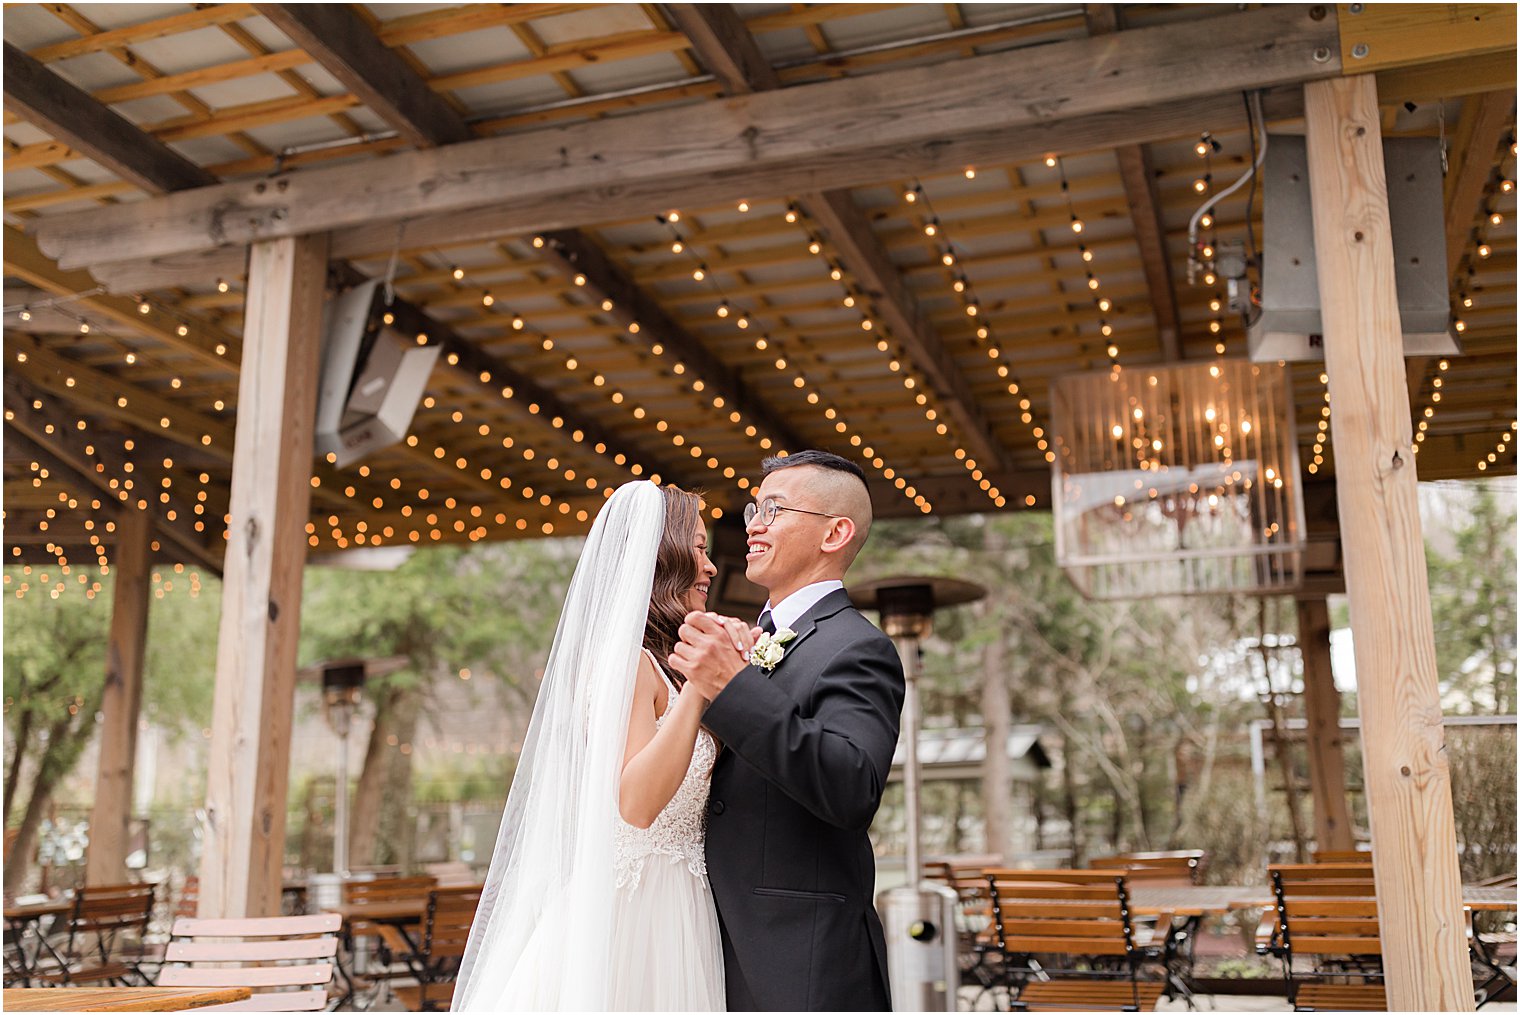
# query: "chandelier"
{"type": "Point", "coordinates": [1177, 480]}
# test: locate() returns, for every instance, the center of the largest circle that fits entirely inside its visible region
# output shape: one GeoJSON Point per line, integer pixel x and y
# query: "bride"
{"type": "Point", "coordinates": [597, 897]}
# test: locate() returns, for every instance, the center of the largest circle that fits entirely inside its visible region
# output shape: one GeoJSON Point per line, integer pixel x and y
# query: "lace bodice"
{"type": "Point", "coordinates": [681, 829]}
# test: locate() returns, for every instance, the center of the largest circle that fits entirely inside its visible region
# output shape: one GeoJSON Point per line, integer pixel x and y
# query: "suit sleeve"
{"type": "Point", "coordinates": [835, 761]}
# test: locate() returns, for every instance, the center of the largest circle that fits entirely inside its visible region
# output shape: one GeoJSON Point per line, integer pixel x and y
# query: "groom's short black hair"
{"type": "Point", "coordinates": [822, 459]}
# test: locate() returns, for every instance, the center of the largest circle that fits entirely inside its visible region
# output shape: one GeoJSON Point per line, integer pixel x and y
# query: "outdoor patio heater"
{"type": "Point", "coordinates": [342, 690]}
{"type": "Point", "coordinates": [919, 917]}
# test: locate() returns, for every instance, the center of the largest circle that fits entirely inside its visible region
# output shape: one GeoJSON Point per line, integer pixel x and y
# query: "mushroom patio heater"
{"type": "Point", "coordinates": [919, 917]}
{"type": "Point", "coordinates": [342, 690]}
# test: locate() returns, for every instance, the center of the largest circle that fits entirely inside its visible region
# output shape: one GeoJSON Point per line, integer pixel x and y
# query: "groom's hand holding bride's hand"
{"type": "Point", "coordinates": [712, 649]}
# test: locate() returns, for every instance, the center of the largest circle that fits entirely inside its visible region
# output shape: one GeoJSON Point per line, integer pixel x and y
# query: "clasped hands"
{"type": "Point", "coordinates": [712, 650]}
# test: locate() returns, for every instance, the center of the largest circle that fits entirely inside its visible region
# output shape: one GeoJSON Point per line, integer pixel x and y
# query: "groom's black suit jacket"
{"type": "Point", "coordinates": [806, 751]}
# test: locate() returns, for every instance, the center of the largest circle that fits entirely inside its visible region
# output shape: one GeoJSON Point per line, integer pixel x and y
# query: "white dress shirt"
{"type": "Point", "coordinates": [786, 613]}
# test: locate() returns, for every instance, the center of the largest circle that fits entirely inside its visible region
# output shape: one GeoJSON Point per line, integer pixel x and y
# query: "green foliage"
{"type": "Point", "coordinates": [1482, 764]}
{"type": "Point", "coordinates": [1472, 602]}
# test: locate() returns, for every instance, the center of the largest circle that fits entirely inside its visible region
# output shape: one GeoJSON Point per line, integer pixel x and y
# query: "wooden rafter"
{"type": "Point", "coordinates": [23, 259]}
{"type": "Point", "coordinates": [474, 362]}
{"type": "Point", "coordinates": [74, 118]}
{"type": "Point", "coordinates": [574, 253]}
{"type": "Point", "coordinates": [1482, 126]}
{"type": "Point", "coordinates": [764, 144]}
{"type": "Point", "coordinates": [31, 424]}
{"type": "Point", "coordinates": [726, 47]}
{"type": "Point", "coordinates": [1145, 212]}
{"type": "Point", "coordinates": [350, 52]}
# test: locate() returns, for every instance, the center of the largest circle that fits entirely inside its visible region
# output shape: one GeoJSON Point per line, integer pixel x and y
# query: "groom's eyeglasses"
{"type": "Point", "coordinates": [767, 510]}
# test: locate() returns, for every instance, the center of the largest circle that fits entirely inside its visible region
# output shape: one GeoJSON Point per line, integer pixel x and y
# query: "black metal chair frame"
{"type": "Point", "coordinates": [1019, 969]}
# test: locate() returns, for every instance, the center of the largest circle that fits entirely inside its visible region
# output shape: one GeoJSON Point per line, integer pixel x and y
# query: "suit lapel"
{"type": "Point", "coordinates": [808, 622]}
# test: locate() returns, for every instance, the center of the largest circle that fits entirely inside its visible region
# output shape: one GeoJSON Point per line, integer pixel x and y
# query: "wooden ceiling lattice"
{"type": "Point", "coordinates": [589, 353]}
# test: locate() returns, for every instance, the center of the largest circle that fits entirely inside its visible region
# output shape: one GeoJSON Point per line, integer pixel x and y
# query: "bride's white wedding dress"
{"type": "Point", "coordinates": [666, 951]}
{"type": "Point", "coordinates": [581, 911]}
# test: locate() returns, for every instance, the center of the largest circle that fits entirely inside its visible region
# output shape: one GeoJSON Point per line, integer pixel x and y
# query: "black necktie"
{"type": "Point", "coordinates": [767, 622]}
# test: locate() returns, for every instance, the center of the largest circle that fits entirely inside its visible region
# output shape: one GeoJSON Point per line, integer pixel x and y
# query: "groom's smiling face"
{"type": "Point", "coordinates": [785, 554]}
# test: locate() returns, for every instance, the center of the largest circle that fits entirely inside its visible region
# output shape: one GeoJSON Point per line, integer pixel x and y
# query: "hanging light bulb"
{"type": "Point", "coordinates": [487, 299]}
{"type": "Point", "coordinates": [677, 247]}
{"type": "Point", "coordinates": [458, 273]}
{"type": "Point", "coordinates": [910, 195]}
{"type": "Point", "coordinates": [1206, 221]}
{"type": "Point", "coordinates": [1076, 224]}
{"type": "Point", "coordinates": [1050, 161]}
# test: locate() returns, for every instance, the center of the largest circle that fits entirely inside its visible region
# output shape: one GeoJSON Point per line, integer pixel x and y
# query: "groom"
{"type": "Point", "coordinates": [807, 746]}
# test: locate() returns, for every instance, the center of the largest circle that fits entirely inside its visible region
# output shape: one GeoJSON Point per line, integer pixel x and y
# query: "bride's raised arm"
{"type": "Point", "coordinates": [656, 757]}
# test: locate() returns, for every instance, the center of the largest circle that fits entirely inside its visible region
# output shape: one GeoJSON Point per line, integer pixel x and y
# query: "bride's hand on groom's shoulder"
{"type": "Point", "coordinates": [712, 649]}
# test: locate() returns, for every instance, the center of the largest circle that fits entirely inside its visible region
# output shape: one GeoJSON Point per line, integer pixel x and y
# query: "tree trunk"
{"type": "Point", "coordinates": [364, 815]}
{"type": "Point", "coordinates": [397, 829]}
{"type": "Point", "coordinates": [21, 741]}
{"type": "Point", "coordinates": [65, 742]}
{"type": "Point", "coordinates": [997, 771]}
{"type": "Point", "coordinates": [1069, 794]}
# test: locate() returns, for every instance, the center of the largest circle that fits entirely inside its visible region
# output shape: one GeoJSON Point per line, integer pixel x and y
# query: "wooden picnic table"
{"type": "Point", "coordinates": [400, 914]}
{"type": "Point", "coordinates": [1476, 897]}
{"type": "Point", "coordinates": [37, 910]}
{"type": "Point", "coordinates": [400, 911]}
{"type": "Point", "coordinates": [120, 998]}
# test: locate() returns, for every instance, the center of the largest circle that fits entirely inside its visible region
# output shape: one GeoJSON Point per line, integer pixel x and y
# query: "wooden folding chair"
{"type": "Point", "coordinates": [1311, 880]}
{"type": "Point", "coordinates": [286, 960]}
{"type": "Point", "coordinates": [1339, 935]}
{"type": "Point", "coordinates": [1341, 856]}
{"type": "Point", "coordinates": [189, 897]}
{"type": "Point", "coordinates": [1491, 938]}
{"type": "Point", "coordinates": [1168, 867]}
{"type": "Point", "coordinates": [106, 933]}
{"type": "Point", "coordinates": [378, 949]}
{"type": "Point", "coordinates": [450, 913]}
{"type": "Point", "coordinates": [1067, 942]}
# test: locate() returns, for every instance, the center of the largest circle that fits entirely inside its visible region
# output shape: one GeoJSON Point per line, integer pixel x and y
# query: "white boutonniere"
{"type": "Point", "coordinates": [769, 648]}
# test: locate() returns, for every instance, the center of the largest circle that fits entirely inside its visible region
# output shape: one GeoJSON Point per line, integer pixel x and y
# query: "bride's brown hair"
{"type": "Point", "coordinates": [675, 572]}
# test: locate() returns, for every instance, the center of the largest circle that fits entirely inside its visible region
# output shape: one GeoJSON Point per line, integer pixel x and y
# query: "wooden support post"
{"type": "Point", "coordinates": [1403, 743]}
{"type": "Point", "coordinates": [120, 702]}
{"type": "Point", "coordinates": [261, 592]}
{"type": "Point", "coordinates": [1322, 712]}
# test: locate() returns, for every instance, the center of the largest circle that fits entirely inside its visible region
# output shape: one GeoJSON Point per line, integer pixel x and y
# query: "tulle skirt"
{"type": "Point", "coordinates": [667, 954]}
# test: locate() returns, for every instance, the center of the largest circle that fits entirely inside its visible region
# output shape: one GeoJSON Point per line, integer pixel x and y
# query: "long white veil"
{"type": "Point", "coordinates": [541, 938]}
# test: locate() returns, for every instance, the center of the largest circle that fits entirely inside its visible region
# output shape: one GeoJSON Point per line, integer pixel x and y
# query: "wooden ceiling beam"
{"type": "Point", "coordinates": [726, 47]}
{"type": "Point", "coordinates": [472, 361]}
{"type": "Point", "coordinates": [31, 423]}
{"type": "Point", "coordinates": [763, 145]}
{"type": "Point", "coordinates": [1145, 212]}
{"type": "Point", "coordinates": [573, 253]}
{"type": "Point", "coordinates": [348, 50]}
{"type": "Point", "coordinates": [158, 28]}
{"type": "Point", "coordinates": [850, 234]}
{"type": "Point", "coordinates": [77, 120]}
{"type": "Point", "coordinates": [1481, 127]}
